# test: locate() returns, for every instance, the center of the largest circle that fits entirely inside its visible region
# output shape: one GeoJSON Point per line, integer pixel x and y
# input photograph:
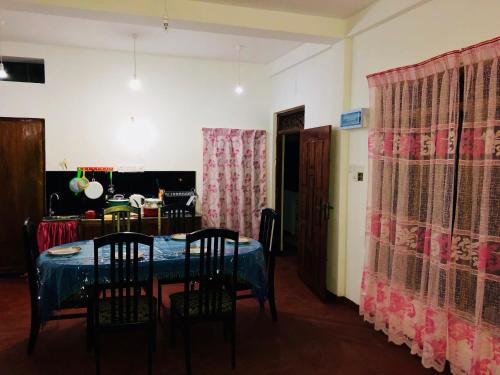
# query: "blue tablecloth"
{"type": "Point", "coordinates": [63, 276]}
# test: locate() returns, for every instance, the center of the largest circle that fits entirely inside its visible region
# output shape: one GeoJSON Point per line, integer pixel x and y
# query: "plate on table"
{"type": "Point", "coordinates": [195, 250]}
{"type": "Point", "coordinates": [65, 250]}
{"type": "Point", "coordinates": [242, 239]}
{"type": "Point", "coordinates": [140, 254]}
{"type": "Point", "coordinates": [178, 236]}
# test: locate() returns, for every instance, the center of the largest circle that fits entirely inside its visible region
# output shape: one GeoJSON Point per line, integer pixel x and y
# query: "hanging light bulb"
{"type": "Point", "coordinates": [135, 84]}
{"type": "Point", "coordinates": [3, 72]}
{"type": "Point", "coordinates": [239, 89]}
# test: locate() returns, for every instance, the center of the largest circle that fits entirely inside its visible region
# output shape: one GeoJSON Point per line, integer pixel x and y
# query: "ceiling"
{"type": "Point", "coordinates": [30, 27]}
{"type": "Point", "coordinates": [330, 8]}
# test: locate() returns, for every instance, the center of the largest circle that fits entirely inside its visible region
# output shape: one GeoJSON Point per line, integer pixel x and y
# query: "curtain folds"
{"type": "Point", "coordinates": [430, 281]}
{"type": "Point", "coordinates": [234, 179]}
{"type": "Point", "coordinates": [474, 303]}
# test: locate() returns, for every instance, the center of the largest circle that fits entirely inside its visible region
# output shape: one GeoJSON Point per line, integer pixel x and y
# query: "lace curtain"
{"type": "Point", "coordinates": [414, 286]}
{"type": "Point", "coordinates": [474, 301]}
{"type": "Point", "coordinates": [234, 179]}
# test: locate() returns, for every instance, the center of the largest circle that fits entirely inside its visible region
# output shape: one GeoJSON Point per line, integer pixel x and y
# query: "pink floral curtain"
{"type": "Point", "coordinates": [234, 179]}
{"type": "Point", "coordinates": [474, 283]}
{"type": "Point", "coordinates": [419, 286]}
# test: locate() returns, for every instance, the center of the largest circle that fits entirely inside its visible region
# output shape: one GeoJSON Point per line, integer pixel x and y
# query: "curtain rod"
{"type": "Point", "coordinates": [494, 40]}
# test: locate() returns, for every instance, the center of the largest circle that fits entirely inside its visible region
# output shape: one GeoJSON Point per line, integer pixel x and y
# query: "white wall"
{"type": "Point", "coordinates": [320, 83]}
{"type": "Point", "coordinates": [314, 83]}
{"type": "Point", "coordinates": [314, 76]}
{"type": "Point", "coordinates": [432, 28]}
{"type": "Point", "coordinates": [87, 105]}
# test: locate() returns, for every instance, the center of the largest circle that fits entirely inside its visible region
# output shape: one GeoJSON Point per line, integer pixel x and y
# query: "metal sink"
{"type": "Point", "coordinates": [60, 218]}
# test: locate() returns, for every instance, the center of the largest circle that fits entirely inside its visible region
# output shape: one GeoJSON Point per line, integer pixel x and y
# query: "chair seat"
{"type": "Point", "coordinates": [177, 301]}
{"type": "Point", "coordinates": [105, 316]}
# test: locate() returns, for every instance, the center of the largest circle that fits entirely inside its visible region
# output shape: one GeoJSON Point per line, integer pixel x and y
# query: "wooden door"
{"type": "Point", "coordinates": [22, 184]}
{"type": "Point", "coordinates": [314, 207]}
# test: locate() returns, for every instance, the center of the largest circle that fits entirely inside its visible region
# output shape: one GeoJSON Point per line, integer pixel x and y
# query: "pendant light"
{"type": "Point", "coordinates": [165, 17]}
{"type": "Point", "coordinates": [3, 72]}
{"type": "Point", "coordinates": [239, 88]}
{"type": "Point", "coordinates": [134, 83]}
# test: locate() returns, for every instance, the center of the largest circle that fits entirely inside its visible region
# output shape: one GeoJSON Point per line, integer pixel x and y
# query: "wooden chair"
{"type": "Point", "coordinates": [118, 301]}
{"type": "Point", "coordinates": [181, 220]}
{"type": "Point", "coordinates": [121, 219]}
{"type": "Point", "coordinates": [213, 297]}
{"type": "Point", "coordinates": [77, 301]}
{"type": "Point", "coordinates": [267, 223]}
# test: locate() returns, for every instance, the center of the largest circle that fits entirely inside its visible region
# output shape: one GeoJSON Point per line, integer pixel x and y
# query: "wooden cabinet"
{"type": "Point", "coordinates": [91, 228]}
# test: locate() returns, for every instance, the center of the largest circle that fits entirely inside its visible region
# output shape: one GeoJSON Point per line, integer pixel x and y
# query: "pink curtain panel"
{"type": "Point", "coordinates": [432, 267]}
{"type": "Point", "coordinates": [234, 179]}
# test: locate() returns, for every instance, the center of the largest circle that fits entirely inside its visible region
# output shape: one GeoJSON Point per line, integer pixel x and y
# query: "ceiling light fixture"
{"type": "Point", "coordinates": [239, 88]}
{"type": "Point", "coordinates": [165, 17]}
{"type": "Point", "coordinates": [134, 83]}
{"type": "Point", "coordinates": [3, 72]}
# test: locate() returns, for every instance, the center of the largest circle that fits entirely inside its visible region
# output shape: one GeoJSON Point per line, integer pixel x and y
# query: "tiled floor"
{"type": "Point", "coordinates": [310, 338]}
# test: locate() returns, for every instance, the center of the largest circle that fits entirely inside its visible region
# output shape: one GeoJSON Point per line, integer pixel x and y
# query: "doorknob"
{"type": "Point", "coordinates": [326, 211]}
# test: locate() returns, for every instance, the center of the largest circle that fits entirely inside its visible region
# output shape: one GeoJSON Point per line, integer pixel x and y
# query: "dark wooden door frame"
{"type": "Point", "coordinates": [283, 127]}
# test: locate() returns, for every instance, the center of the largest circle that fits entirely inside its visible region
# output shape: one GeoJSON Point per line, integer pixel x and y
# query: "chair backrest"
{"type": "Point", "coordinates": [31, 253]}
{"type": "Point", "coordinates": [180, 217]}
{"type": "Point", "coordinates": [268, 219]}
{"type": "Point", "coordinates": [120, 219]}
{"type": "Point", "coordinates": [121, 280]}
{"type": "Point", "coordinates": [213, 273]}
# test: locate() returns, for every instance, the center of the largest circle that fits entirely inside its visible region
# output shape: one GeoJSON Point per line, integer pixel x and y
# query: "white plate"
{"type": "Point", "coordinates": [140, 254]}
{"type": "Point", "coordinates": [195, 250]}
{"type": "Point", "coordinates": [242, 239]}
{"type": "Point", "coordinates": [94, 190]}
{"type": "Point", "coordinates": [65, 250]}
{"type": "Point", "coordinates": [178, 236]}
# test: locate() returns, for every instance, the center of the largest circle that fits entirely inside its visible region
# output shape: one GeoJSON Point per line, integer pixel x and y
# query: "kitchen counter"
{"type": "Point", "coordinates": [91, 228]}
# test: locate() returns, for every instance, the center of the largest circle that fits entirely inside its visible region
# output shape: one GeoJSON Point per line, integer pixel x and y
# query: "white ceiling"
{"type": "Point", "coordinates": [331, 8]}
{"type": "Point", "coordinates": [80, 32]}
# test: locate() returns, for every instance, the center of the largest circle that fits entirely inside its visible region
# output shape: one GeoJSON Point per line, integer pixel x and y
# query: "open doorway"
{"type": "Point", "coordinates": [289, 124]}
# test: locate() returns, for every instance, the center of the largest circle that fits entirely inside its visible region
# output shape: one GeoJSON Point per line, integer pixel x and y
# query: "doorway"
{"type": "Point", "coordinates": [289, 125]}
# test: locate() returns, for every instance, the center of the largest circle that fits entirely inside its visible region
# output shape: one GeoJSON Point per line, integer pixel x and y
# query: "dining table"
{"type": "Point", "coordinates": [63, 276]}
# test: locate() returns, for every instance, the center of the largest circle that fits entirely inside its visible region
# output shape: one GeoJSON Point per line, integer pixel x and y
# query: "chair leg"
{"type": "Point", "coordinates": [160, 303]}
{"type": "Point", "coordinates": [97, 349]}
{"type": "Point", "coordinates": [187, 347]}
{"type": "Point", "coordinates": [272, 305]}
{"type": "Point", "coordinates": [226, 330]}
{"type": "Point", "coordinates": [233, 342]}
{"type": "Point", "coordinates": [35, 328]}
{"type": "Point", "coordinates": [261, 304]}
{"type": "Point", "coordinates": [151, 348]}
{"type": "Point", "coordinates": [172, 327]}
{"type": "Point", "coordinates": [90, 328]}
{"type": "Point", "coordinates": [154, 334]}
